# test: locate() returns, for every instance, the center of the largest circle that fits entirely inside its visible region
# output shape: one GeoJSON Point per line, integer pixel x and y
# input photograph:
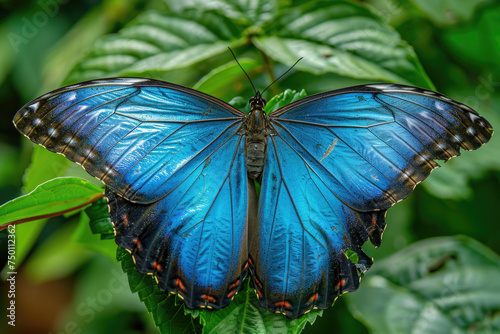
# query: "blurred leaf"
{"type": "Point", "coordinates": [151, 43]}
{"type": "Point", "coordinates": [473, 216]}
{"type": "Point", "coordinates": [51, 198]}
{"type": "Point", "coordinates": [224, 80]}
{"type": "Point", "coordinates": [255, 12]}
{"type": "Point", "coordinates": [314, 84]}
{"type": "Point", "coordinates": [102, 302]}
{"type": "Point", "coordinates": [69, 49]}
{"type": "Point", "coordinates": [8, 160]}
{"type": "Point", "coordinates": [7, 54]}
{"type": "Point", "coordinates": [449, 12]}
{"type": "Point", "coordinates": [347, 39]}
{"type": "Point", "coordinates": [440, 285]}
{"type": "Point", "coordinates": [26, 235]}
{"type": "Point", "coordinates": [478, 43]}
{"type": "Point", "coordinates": [29, 44]}
{"type": "Point", "coordinates": [57, 257]}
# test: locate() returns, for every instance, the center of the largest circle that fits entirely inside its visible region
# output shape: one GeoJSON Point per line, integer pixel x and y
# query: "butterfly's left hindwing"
{"type": "Point", "coordinates": [174, 168]}
{"type": "Point", "coordinates": [336, 163]}
{"type": "Point", "coordinates": [194, 240]}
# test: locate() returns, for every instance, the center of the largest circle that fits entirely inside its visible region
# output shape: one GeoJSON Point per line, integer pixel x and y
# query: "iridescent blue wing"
{"type": "Point", "coordinates": [172, 161]}
{"type": "Point", "coordinates": [135, 135]}
{"type": "Point", "coordinates": [335, 164]}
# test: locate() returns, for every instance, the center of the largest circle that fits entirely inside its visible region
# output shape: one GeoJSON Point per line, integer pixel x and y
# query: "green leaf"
{"type": "Point", "coordinates": [152, 43]}
{"type": "Point", "coordinates": [101, 302]}
{"type": "Point", "coordinates": [100, 222]}
{"type": "Point", "coordinates": [254, 12]}
{"type": "Point", "coordinates": [346, 39]}
{"type": "Point", "coordinates": [99, 243]}
{"type": "Point", "coordinates": [449, 12]}
{"type": "Point", "coordinates": [168, 313]}
{"type": "Point", "coordinates": [227, 79]}
{"type": "Point", "coordinates": [439, 285]}
{"type": "Point", "coordinates": [281, 100]}
{"type": "Point", "coordinates": [245, 315]}
{"type": "Point", "coordinates": [49, 199]}
{"type": "Point", "coordinates": [352, 256]}
{"type": "Point", "coordinates": [241, 104]}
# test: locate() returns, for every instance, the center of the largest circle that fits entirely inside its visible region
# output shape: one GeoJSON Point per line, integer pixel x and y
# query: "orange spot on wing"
{"type": "Point", "coordinates": [341, 283]}
{"type": "Point", "coordinates": [157, 266]}
{"type": "Point", "coordinates": [259, 293]}
{"type": "Point", "coordinates": [125, 220]}
{"type": "Point", "coordinates": [138, 244]}
{"type": "Point", "coordinates": [285, 304]}
{"type": "Point", "coordinates": [209, 298]}
{"type": "Point", "coordinates": [178, 282]}
{"type": "Point", "coordinates": [313, 298]}
{"type": "Point", "coordinates": [234, 285]}
{"type": "Point", "coordinates": [258, 282]}
{"type": "Point", "coordinates": [246, 266]}
{"type": "Point", "coordinates": [231, 294]}
{"type": "Point", "coordinates": [250, 261]}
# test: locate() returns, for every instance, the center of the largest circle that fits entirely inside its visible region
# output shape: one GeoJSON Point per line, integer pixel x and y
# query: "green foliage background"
{"type": "Point", "coordinates": [424, 279]}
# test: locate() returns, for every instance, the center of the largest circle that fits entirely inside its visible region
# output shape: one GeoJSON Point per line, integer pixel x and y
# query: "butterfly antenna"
{"type": "Point", "coordinates": [243, 70]}
{"type": "Point", "coordinates": [281, 76]}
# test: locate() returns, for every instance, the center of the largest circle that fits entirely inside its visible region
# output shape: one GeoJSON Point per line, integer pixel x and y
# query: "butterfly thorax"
{"type": "Point", "coordinates": [256, 128]}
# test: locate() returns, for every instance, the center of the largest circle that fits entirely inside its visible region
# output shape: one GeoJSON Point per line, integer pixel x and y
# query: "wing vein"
{"type": "Point", "coordinates": [208, 211]}
{"type": "Point", "coordinates": [326, 169]}
{"type": "Point", "coordinates": [186, 162]}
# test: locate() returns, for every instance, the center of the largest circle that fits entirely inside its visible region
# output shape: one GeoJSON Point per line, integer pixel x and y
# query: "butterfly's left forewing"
{"type": "Point", "coordinates": [336, 163]}
{"type": "Point", "coordinates": [139, 136]}
{"type": "Point", "coordinates": [173, 163]}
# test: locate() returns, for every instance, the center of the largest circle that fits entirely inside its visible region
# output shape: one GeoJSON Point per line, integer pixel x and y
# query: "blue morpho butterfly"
{"type": "Point", "coordinates": [179, 168]}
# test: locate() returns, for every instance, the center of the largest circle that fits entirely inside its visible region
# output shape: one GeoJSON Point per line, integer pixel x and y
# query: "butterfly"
{"type": "Point", "coordinates": [179, 168]}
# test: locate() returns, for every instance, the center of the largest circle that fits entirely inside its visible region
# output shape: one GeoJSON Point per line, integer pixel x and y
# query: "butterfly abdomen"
{"type": "Point", "coordinates": [255, 154]}
{"type": "Point", "coordinates": [256, 137]}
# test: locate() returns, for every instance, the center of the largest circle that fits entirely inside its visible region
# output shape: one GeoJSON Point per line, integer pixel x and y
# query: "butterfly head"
{"type": "Point", "coordinates": [257, 102]}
